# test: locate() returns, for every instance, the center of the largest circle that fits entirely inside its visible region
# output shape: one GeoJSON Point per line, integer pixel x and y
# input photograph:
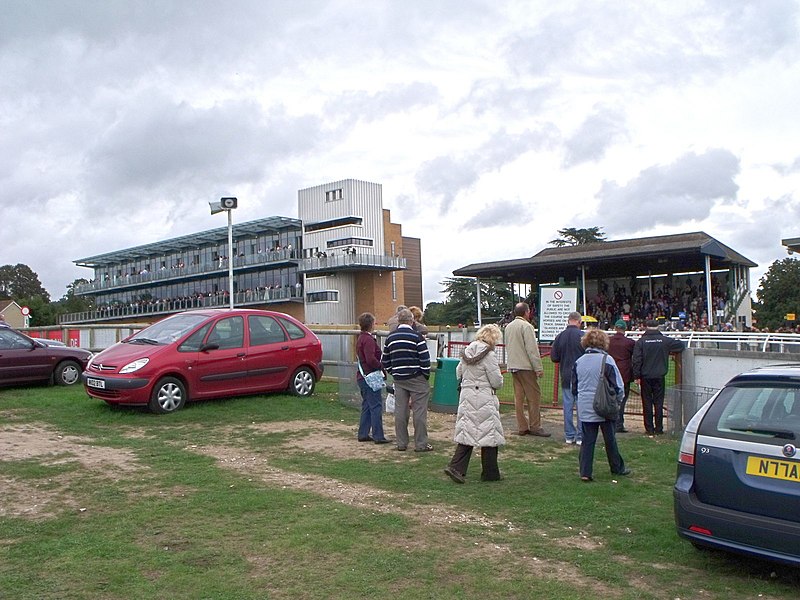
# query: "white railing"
{"type": "Point", "coordinates": [342, 260]}
{"type": "Point", "coordinates": [735, 340]}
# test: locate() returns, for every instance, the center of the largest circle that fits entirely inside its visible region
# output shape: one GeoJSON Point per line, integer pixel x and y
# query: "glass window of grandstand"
{"type": "Point", "coordinates": [323, 296]}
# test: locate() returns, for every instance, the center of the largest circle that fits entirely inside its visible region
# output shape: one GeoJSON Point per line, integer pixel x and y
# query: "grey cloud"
{"type": "Point", "coordinates": [500, 213]}
{"type": "Point", "coordinates": [495, 97]}
{"type": "Point", "coordinates": [669, 194]}
{"type": "Point", "coordinates": [177, 145]}
{"type": "Point", "coordinates": [788, 168]}
{"type": "Point", "coordinates": [758, 234]}
{"type": "Point", "coordinates": [445, 176]}
{"type": "Point", "coordinates": [595, 135]}
{"type": "Point", "coordinates": [653, 42]}
{"type": "Point", "coordinates": [361, 105]}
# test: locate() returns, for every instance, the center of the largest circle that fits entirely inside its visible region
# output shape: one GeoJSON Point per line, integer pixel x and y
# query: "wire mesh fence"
{"type": "Point", "coordinates": [682, 402]}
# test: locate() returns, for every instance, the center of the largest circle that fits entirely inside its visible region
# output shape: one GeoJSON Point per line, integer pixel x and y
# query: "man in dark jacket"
{"type": "Point", "coordinates": [650, 365]}
{"type": "Point", "coordinates": [620, 348]}
{"type": "Point", "coordinates": [566, 349]}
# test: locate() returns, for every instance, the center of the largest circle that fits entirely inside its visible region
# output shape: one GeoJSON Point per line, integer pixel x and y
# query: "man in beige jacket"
{"type": "Point", "coordinates": [525, 366]}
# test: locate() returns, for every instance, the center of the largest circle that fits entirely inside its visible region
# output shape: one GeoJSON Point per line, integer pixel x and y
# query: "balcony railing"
{"type": "Point", "coordinates": [219, 267]}
{"type": "Point", "coordinates": [350, 261]}
{"type": "Point", "coordinates": [173, 305]}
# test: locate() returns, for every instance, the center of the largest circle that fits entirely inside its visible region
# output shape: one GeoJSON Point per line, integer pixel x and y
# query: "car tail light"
{"type": "Point", "coordinates": [702, 530]}
{"type": "Point", "coordinates": [689, 440]}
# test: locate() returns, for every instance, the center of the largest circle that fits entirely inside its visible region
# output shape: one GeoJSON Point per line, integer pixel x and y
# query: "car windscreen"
{"type": "Point", "coordinates": [766, 412]}
{"type": "Point", "coordinates": [169, 330]}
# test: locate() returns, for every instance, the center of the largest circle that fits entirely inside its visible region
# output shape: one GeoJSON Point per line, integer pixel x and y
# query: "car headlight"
{"type": "Point", "coordinates": [134, 366]}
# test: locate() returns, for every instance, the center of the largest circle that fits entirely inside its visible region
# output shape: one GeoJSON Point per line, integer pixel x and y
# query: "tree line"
{"type": "Point", "coordinates": [21, 284]}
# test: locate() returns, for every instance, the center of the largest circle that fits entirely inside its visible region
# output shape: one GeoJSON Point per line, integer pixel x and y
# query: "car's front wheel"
{"type": "Point", "coordinates": [67, 372]}
{"type": "Point", "coordinates": [302, 382]}
{"type": "Point", "coordinates": [169, 395]}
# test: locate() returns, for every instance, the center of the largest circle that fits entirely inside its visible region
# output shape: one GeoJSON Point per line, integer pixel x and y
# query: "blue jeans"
{"type": "Point", "coordinates": [371, 413]}
{"type": "Point", "coordinates": [571, 432]}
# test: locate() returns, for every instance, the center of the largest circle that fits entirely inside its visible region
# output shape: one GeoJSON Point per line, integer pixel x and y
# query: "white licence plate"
{"type": "Point", "coordinates": [96, 383]}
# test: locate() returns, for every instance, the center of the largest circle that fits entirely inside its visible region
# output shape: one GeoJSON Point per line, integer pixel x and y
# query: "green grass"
{"type": "Point", "coordinates": [177, 523]}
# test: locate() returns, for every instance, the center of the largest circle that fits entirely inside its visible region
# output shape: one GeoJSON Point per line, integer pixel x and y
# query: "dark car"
{"type": "Point", "coordinates": [738, 483]}
{"type": "Point", "coordinates": [203, 354]}
{"type": "Point", "coordinates": [26, 360]}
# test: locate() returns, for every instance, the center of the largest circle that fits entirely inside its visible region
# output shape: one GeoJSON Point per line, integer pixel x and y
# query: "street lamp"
{"type": "Point", "coordinates": [227, 205]}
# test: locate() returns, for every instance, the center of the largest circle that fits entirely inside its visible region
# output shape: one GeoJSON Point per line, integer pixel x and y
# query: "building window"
{"type": "Point", "coordinates": [333, 195]}
{"type": "Point", "coordinates": [323, 296]}
{"type": "Point", "coordinates": [394, 285]}
{"type": "Point", "coordinates": [349, 242]}
{"type": "Point", "coordinates": [341, 222]}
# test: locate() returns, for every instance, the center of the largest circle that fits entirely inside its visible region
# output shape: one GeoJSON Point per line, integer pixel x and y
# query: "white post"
{"type": "Point", "coordinates": [230, 256]}
{"type": "Point", "coordinates": [478, 290]}
{"type": "Point", "coordinates": [709, 307]}
{"type": "Point", "coordinates": [583, 287]}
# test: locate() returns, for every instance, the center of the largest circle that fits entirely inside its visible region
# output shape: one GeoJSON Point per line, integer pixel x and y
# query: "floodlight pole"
{"type": "Point", "coordinates": [227, 205]}
{"type": "Point", "coordinates": [230, 256]}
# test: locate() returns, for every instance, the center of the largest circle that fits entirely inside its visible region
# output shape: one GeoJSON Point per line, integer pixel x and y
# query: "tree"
{"type": "Point", "coordinates": [43, 313]}
{"type": "Point", "coordinates": [779, 293]}
{"type": "Point", "coordinates": [20, 282]}
{"type": "Point", "coordinates": [570, 236]}
{"type": "Point", "coordinates": [461, 305]}
{"type": "Point", "coordinates": [72, 303]}
{"type": "Point", "coordinates": [434, 313]}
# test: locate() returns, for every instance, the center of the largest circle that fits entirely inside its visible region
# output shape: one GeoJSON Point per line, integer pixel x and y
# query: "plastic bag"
{"type": "Point", "coordinates": [389, 404]}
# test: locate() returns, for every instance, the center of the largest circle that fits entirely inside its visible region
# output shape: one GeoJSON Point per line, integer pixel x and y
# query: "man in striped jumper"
{"type": "Point", "coordinates": [406, 358]}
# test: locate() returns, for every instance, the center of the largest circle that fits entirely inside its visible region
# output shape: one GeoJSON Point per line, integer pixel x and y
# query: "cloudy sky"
{"type": "Point", "coordinates": [491, 124]}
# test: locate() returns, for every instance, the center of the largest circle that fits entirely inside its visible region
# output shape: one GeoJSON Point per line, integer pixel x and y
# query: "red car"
{"type": "Point", "coordinates": [25, 360]}
{"type": "Point", "coordinates": [203, 354]}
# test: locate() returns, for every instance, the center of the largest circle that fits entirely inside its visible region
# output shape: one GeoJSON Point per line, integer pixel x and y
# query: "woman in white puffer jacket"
{"type": "Point", "coordinates": [478, 421]}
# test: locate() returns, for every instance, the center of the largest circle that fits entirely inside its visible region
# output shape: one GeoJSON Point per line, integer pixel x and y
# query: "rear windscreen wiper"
{"type": "Point", "coordinates": [778, 433]}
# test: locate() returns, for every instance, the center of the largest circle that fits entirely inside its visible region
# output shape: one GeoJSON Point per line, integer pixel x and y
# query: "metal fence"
{"type": "Point", "coordinates": [682, 401]}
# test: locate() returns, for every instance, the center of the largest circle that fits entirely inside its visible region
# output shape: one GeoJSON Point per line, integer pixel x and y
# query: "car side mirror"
{"type": "Point", "coordinates": [207, 347]}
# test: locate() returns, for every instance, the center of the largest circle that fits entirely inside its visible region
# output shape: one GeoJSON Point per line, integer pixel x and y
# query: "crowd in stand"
{"type": "Point", "coordinates": [685, 300]}
{"type": "Point", "coordinates": [198, 300]}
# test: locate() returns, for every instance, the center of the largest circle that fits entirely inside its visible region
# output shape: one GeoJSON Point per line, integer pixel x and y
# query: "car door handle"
{"type": "Point", "coordinates": [241, 355]}
{"type": "Point", "coordinates": [284, 347]}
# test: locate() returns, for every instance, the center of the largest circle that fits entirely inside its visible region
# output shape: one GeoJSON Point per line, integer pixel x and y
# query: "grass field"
{"type": "Point", "coordinates": [272, 497]}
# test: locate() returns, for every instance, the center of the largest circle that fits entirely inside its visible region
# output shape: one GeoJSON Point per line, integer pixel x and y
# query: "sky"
{"type": "Point", "coordinates": [490, 124]}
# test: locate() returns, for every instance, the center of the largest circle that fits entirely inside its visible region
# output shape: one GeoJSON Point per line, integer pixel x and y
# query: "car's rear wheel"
{"type": "Point", "coordinates": [169, 395]}
{"type": "Point", "coordinates": [302, 382]}
{"type": "Point", "coordinates": [67, 372]}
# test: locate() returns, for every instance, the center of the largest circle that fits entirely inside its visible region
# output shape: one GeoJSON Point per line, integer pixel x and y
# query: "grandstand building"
{"type": "Point", "coordinates": [676, 278]}
{"type": "Point", "coordinates": [341, 257]}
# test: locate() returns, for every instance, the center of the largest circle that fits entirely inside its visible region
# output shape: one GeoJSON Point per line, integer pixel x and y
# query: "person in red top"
{"type": "Point", "coordinates": [369, 357]}
{"type": "Point", "coordinates": [620, 348]}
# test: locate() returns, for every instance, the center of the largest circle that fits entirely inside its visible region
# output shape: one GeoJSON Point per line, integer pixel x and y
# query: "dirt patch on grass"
{"type": "Point", "coordinates": [42, 498]}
